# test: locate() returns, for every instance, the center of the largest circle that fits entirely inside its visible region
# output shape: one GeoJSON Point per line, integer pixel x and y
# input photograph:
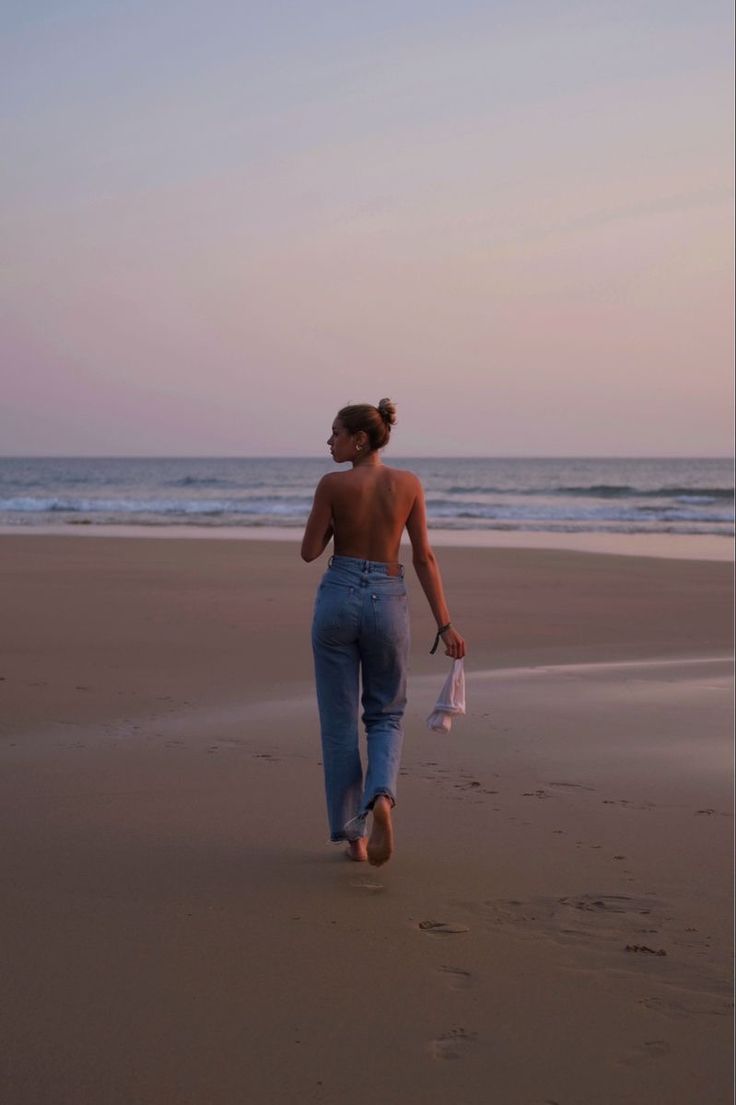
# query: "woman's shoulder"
{"type": "Point", "coordinates": [406, 482]}
{"type": "Point", "coordinates": [403, 475]}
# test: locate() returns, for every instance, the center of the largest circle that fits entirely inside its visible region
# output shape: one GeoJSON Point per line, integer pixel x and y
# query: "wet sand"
{"type": "Point", "coordinates": [554, 926]}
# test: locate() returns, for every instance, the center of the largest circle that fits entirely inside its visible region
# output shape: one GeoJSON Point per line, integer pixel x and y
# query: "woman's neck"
{"type": "Point", "coordinates": [370, 460]}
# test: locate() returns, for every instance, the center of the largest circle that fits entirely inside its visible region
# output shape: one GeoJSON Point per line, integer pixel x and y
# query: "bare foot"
{"type": "Point", "coordinates": [381, 841]}
{"type": "Point", "coordinates": [356, 850]}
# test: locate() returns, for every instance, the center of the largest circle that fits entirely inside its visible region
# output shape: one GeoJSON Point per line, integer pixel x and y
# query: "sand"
{"type": "Point", "coordinates": [555, 924]}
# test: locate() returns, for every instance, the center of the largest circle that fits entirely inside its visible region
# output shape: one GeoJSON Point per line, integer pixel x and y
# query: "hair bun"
{"type": "Point", "coordinates": [387, 411]}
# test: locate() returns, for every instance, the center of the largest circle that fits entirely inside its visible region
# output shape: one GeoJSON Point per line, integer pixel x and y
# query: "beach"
{"type": "Point", "coordinates": [555, 926]}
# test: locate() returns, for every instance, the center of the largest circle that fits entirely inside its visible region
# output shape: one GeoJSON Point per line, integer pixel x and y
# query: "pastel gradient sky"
{"type": "Point", "coordinates": [223, 221]}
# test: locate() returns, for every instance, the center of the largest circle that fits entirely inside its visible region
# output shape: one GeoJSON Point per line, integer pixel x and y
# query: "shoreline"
{"type": "Point", "coordinates": [665, 546]}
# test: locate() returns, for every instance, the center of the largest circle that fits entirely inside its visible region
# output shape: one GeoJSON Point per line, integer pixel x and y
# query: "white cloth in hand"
{"type": "Point", "coordinates": [451, 701]}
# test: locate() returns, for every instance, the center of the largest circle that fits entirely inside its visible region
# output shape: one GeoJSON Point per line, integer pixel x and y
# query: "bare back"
{"type": "Point", "coordinates": [370, 507]}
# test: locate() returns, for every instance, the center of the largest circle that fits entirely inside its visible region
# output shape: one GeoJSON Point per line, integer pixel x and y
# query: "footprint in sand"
{"type": "Point", "coordinates": [693, 1005]}
{"type": "Point", "coordinates": [646, 1053]}
{"type": "Point", "coordinates": [453, 1044]}
{"type": "Point", "coordinates": [457, 978]}
{"type": "Point", "coordinates": [608, 903]}
{"type": "Point", "coordinates": [442, 928]}
{"type": "Point", "coordinates": [586, 918]}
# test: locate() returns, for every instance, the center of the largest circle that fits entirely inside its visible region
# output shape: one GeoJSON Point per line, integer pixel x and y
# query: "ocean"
{"type": "Point", "coordinates": [543, 495]}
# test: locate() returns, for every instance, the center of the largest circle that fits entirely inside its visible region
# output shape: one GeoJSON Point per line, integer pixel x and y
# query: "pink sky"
{"type": "Point", "coordinates": [217, 232]}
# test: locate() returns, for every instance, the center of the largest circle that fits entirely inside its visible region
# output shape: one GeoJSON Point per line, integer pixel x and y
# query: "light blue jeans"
{"type": "Point", "coordinates": [360, 629]}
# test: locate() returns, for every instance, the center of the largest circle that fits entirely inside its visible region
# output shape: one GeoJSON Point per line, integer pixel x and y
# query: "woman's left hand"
{"type": "Point", "coordinates": [454, 643]}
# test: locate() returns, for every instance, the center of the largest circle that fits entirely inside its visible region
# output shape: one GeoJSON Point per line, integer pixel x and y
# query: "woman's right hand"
{"type": "Point", "coordinates": [454, 643]}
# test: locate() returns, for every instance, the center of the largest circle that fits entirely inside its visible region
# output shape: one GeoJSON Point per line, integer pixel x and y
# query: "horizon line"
{"type": "Point", "coordinates": [400, 456]}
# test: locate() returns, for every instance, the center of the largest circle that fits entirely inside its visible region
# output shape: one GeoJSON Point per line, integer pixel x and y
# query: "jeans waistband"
{"type": "Point", "coordinates": [366, 567]}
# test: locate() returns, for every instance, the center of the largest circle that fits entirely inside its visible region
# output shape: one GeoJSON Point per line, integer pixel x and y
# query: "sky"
{"type": "Point", "coordinates": [222, 222]}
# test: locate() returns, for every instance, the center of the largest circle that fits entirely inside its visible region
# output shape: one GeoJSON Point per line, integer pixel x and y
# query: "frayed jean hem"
{"type": "Point", "coordinates": [356, 826]}
{"type": "Point", "coordinates": [380, 791]}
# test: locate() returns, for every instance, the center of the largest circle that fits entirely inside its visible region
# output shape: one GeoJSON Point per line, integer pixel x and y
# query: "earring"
{"type": "Point", "coordinates": [358, 448]}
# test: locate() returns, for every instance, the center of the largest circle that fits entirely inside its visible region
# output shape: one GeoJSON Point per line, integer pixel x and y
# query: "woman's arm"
{"type": "Point", "coordinates": [319, 524]}
{"type": "Point", "coordinates": [428, 573]}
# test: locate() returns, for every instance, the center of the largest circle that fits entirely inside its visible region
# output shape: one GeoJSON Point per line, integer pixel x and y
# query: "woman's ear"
{"type": "Point", "coordinates": [361, 439]}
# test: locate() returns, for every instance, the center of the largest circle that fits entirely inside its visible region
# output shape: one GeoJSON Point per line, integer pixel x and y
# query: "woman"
{"type": "Point", "coordinates": [361, 624]}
